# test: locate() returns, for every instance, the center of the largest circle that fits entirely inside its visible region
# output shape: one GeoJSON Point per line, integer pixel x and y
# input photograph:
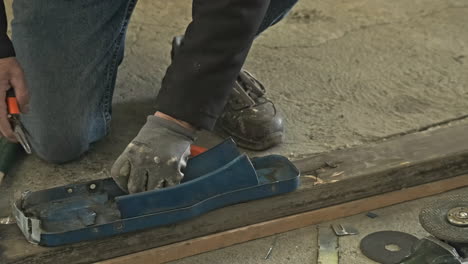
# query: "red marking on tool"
{"type": "Point", "coordinates": [196, 150]}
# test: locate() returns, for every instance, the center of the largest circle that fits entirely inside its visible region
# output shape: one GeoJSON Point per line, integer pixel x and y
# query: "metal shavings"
{"type": "Point", "coordinates": [315, 178]}
{"type": "Point", "coordinates": [271, 248]}
{"type": "Point", "coordinates": [372, 215]}
{"type": "Point", "coordinates": [336, 174]}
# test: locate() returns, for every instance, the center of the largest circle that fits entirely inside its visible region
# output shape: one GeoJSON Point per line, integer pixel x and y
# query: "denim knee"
{"type": "Point", "coordinates": [70, 67]}
{"type": "Point", "coordinates": [58, 147]}
{"type": "Point", "coordinates": [276, 11]}
{"type": "Point", "coordinates": [59, 154]}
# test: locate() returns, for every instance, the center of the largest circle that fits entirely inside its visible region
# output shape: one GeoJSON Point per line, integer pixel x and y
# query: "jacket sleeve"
{"type": "Point", "coordinates": [6, 47]}
{"type": "Point", "coordinates": [200, 79]}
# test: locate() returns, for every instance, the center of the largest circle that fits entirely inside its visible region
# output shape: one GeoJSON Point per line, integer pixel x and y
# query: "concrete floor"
{"type": "Point", "coordinates": [300, 246]}
{"type": "Point", "coordinates": [344, 72]}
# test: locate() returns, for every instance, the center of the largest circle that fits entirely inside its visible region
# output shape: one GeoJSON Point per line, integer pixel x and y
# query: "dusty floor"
{"type": "Point", "coordinates": [343, 72]}
{"type": "Point", "coordinates": [300, 246]}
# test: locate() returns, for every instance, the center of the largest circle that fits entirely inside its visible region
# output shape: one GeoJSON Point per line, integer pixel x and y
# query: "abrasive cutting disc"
{"type": "Point", "coordinates": [376, 246]}
{"type": "Point", "coordinates": [447, 219]}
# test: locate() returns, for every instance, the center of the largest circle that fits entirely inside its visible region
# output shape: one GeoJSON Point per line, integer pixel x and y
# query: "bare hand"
{"type": "Point", "coordinates": [11, 77]}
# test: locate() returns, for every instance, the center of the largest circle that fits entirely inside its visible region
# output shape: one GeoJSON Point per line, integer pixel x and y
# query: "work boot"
{"type": "Point", "coordinates": [249, 117]}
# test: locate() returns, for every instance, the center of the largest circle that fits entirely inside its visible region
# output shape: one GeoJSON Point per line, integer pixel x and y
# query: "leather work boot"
{"type": "Point", "coordinates": [249, 117]}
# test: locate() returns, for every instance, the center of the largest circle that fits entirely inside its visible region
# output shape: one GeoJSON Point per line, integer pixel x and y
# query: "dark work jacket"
{"type": "Point", "coordinates": [6, 48]}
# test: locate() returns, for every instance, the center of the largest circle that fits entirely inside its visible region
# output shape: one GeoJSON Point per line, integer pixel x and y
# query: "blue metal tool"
{"type": "Point", "coordinates": [220, 177]}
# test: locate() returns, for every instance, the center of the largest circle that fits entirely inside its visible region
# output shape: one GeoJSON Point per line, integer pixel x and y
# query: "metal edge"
{"type": "Point", "coordinates": [30, 227]}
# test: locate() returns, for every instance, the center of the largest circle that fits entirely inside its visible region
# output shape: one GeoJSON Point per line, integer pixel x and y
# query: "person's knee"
{"type": "Point", "coordinates": [56, 138]}
{"type": "Point", "coordinates": [59, 150]}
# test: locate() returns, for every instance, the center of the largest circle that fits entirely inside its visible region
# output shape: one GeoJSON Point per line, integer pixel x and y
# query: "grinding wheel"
{"type": "Point", "coordinates": [447, 219]}
{"type": "Point", "coordinates": [376, 246]}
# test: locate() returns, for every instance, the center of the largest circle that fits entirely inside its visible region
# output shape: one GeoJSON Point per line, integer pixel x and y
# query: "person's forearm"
{"type": "Point", "coordinates": [6, 47]}
{"type": "Point", "coordinates": [200, 79]}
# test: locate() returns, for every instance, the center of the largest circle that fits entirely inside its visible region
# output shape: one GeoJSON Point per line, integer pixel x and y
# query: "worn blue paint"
{"type": "Point", "coordinates": [215, 179]}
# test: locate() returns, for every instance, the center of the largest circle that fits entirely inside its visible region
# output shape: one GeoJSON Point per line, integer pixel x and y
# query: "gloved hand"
{"type": "Point", "coordinates": [154, 159]}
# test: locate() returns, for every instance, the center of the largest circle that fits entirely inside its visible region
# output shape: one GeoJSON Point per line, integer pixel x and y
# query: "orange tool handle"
{"type": "Point", "coordinates": [196, 150]}
{"type": "Point", "coordinates": [12, 103]}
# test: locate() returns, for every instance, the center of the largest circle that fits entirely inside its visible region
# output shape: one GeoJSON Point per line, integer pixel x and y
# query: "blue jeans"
{"type": "Point", "coordinates": [70, 52]}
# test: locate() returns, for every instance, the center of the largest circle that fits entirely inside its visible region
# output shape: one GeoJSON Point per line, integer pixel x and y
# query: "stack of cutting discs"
{"type": "Point", "coordinates": [447, 219]}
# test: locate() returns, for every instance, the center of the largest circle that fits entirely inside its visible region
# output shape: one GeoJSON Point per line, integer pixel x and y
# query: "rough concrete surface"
{"type": "Point", "coordinates": [344, 72]}
{"type": "Point", "coordinates": [300, 246]}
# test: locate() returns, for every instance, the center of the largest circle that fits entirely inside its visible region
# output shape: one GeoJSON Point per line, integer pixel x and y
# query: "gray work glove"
{"type": "Point", "coordinates": [154, 159]}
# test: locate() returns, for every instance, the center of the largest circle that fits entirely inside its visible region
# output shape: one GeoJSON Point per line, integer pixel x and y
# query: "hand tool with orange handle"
{"type": "Point", "coordinates": [13, 115]}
